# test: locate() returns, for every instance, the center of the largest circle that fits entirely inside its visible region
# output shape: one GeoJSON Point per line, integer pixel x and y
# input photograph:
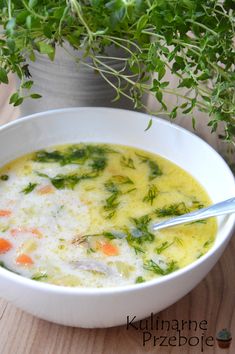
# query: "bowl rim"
{"type": "Point", "coordinates": [94, 291]}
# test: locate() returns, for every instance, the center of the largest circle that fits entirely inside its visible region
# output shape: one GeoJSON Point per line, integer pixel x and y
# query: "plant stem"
{"type": "Point", "coordinates": [32, 11]}
{"type": "Point", "coordinates": [77, 8]}
{"type": "Point", "coordinates": [202, 26]}
{"type": "Point", "coordinates": [9, 9]}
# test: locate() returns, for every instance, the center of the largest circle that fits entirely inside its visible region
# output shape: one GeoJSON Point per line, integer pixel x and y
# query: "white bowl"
{"type": "Point", "coordinates": [110, 306]}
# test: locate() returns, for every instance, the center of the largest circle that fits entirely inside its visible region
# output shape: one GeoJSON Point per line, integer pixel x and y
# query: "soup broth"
{"type": "Point", "coordinates": [80, 215]}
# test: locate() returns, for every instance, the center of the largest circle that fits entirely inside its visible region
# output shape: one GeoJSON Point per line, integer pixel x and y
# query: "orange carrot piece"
{"type": "Point", "coordinates": [46, 190]}
{"type": "Point", "coordinates": [24, 259]}
{"type": "Point", "coordinates": [109, 249]}
{"type": "Point", "coordinates": [5, 212]}
{"type": "Point", "coordinates": [5, 245]}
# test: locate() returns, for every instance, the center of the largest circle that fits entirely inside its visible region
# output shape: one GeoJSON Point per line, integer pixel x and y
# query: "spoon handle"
{"type": "Point", "coordinates": [225, 207]}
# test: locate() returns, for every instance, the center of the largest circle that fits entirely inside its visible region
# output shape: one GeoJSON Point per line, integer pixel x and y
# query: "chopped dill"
{"type": "Point", "coordinates": [39, 276]}
{"type": "Point", "coordinates": [151, 195]}
{"type": "Point", "coordinates": [68, 181]}
{"type": "Point", "coordinates": [154, 169]}
{"type": "Point", "coordinates": [99, 164]}
{"type": "Point", "coordinates": [29, 188]}
{"type": "Point", "coordinates": [154, 267]}
{"type": "Point", "coordinates": [113, 186]}
{"type": "Point", "coordinates": [164, 246]}
{"type": "Point", "coordinates": [121, 179]}
{"type": "Point", "coordinates": [208, 243]}
{"type": "Point", "coordinates": [127, 162]}
{"type": "Point", "coordinates": [45, 156]}
{"type": "Point", "coordinates": [140, 234]}
{"type": "Point", "coordinates": [77, 154]}
{"type": "Point", "coordinates": [175, 209]}
{"type": "Point", "coordinates": [139, 280]}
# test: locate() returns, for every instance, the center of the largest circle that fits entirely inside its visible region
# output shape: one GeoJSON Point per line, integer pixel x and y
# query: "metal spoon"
{"type": "Point", "coordinates": [222, 208]}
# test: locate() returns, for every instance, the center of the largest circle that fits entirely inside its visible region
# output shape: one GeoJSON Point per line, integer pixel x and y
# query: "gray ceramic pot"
{"type": "Point", "coordinates": [65, 83]}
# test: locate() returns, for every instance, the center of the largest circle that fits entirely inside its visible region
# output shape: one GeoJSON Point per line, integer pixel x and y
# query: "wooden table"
{"type": "Point", "coordinates": [213, 300]}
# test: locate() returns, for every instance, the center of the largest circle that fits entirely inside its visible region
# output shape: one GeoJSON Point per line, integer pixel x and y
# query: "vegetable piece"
{"type": "Point", "coordinates": [5, 245]}
{"type": "Point", "coordinates": [124, 269]}
{"type": "Point", "coordinates": [48, 189]}
{"type": "Point", "coordinates": [19, 230]}
{"type": "Point", "coordinates": [4, 177]}
{"type": "Point", "coordinates": [5, 213]}
{"type": "Point", "coordinates": [109, 249]}
{"type": "Point", "coordinates": [24, 259]}
{"type": "Point", "coordinates": [28, 246]}
{"type": "Point", "coordinates": [29, 188]}
{"type": "Point", "coordinates": [92, 266]}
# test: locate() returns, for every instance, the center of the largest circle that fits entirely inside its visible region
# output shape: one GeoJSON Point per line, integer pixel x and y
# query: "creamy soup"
{"type": "Point", "coordinates": [81, 215]}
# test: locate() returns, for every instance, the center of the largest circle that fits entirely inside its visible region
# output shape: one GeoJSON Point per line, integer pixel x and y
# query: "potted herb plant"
{"type": "Point", "coordinates": [123, 50]}
{"type": "Point", "coordinates": [224, 338]}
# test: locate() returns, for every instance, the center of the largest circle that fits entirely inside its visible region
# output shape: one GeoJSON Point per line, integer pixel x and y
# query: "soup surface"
{"type": "Point", "coordinates": [80, 215]}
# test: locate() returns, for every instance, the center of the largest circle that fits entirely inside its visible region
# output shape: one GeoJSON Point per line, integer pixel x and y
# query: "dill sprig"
{"type": "Point", "coordinates": [127, 162]}
{"type": "Point", "coordinates": [154, 169]}
{"type": "Point", "coordinates": [29, 188]}
{"type": "Point", "coordinates": [175, 209]}
{"type": "Point", "coordinates": [151, 194]}
{"type": "Point", "coordinates": [115, 187]}
{"type": "Point", "coordinates": [156, 268]}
